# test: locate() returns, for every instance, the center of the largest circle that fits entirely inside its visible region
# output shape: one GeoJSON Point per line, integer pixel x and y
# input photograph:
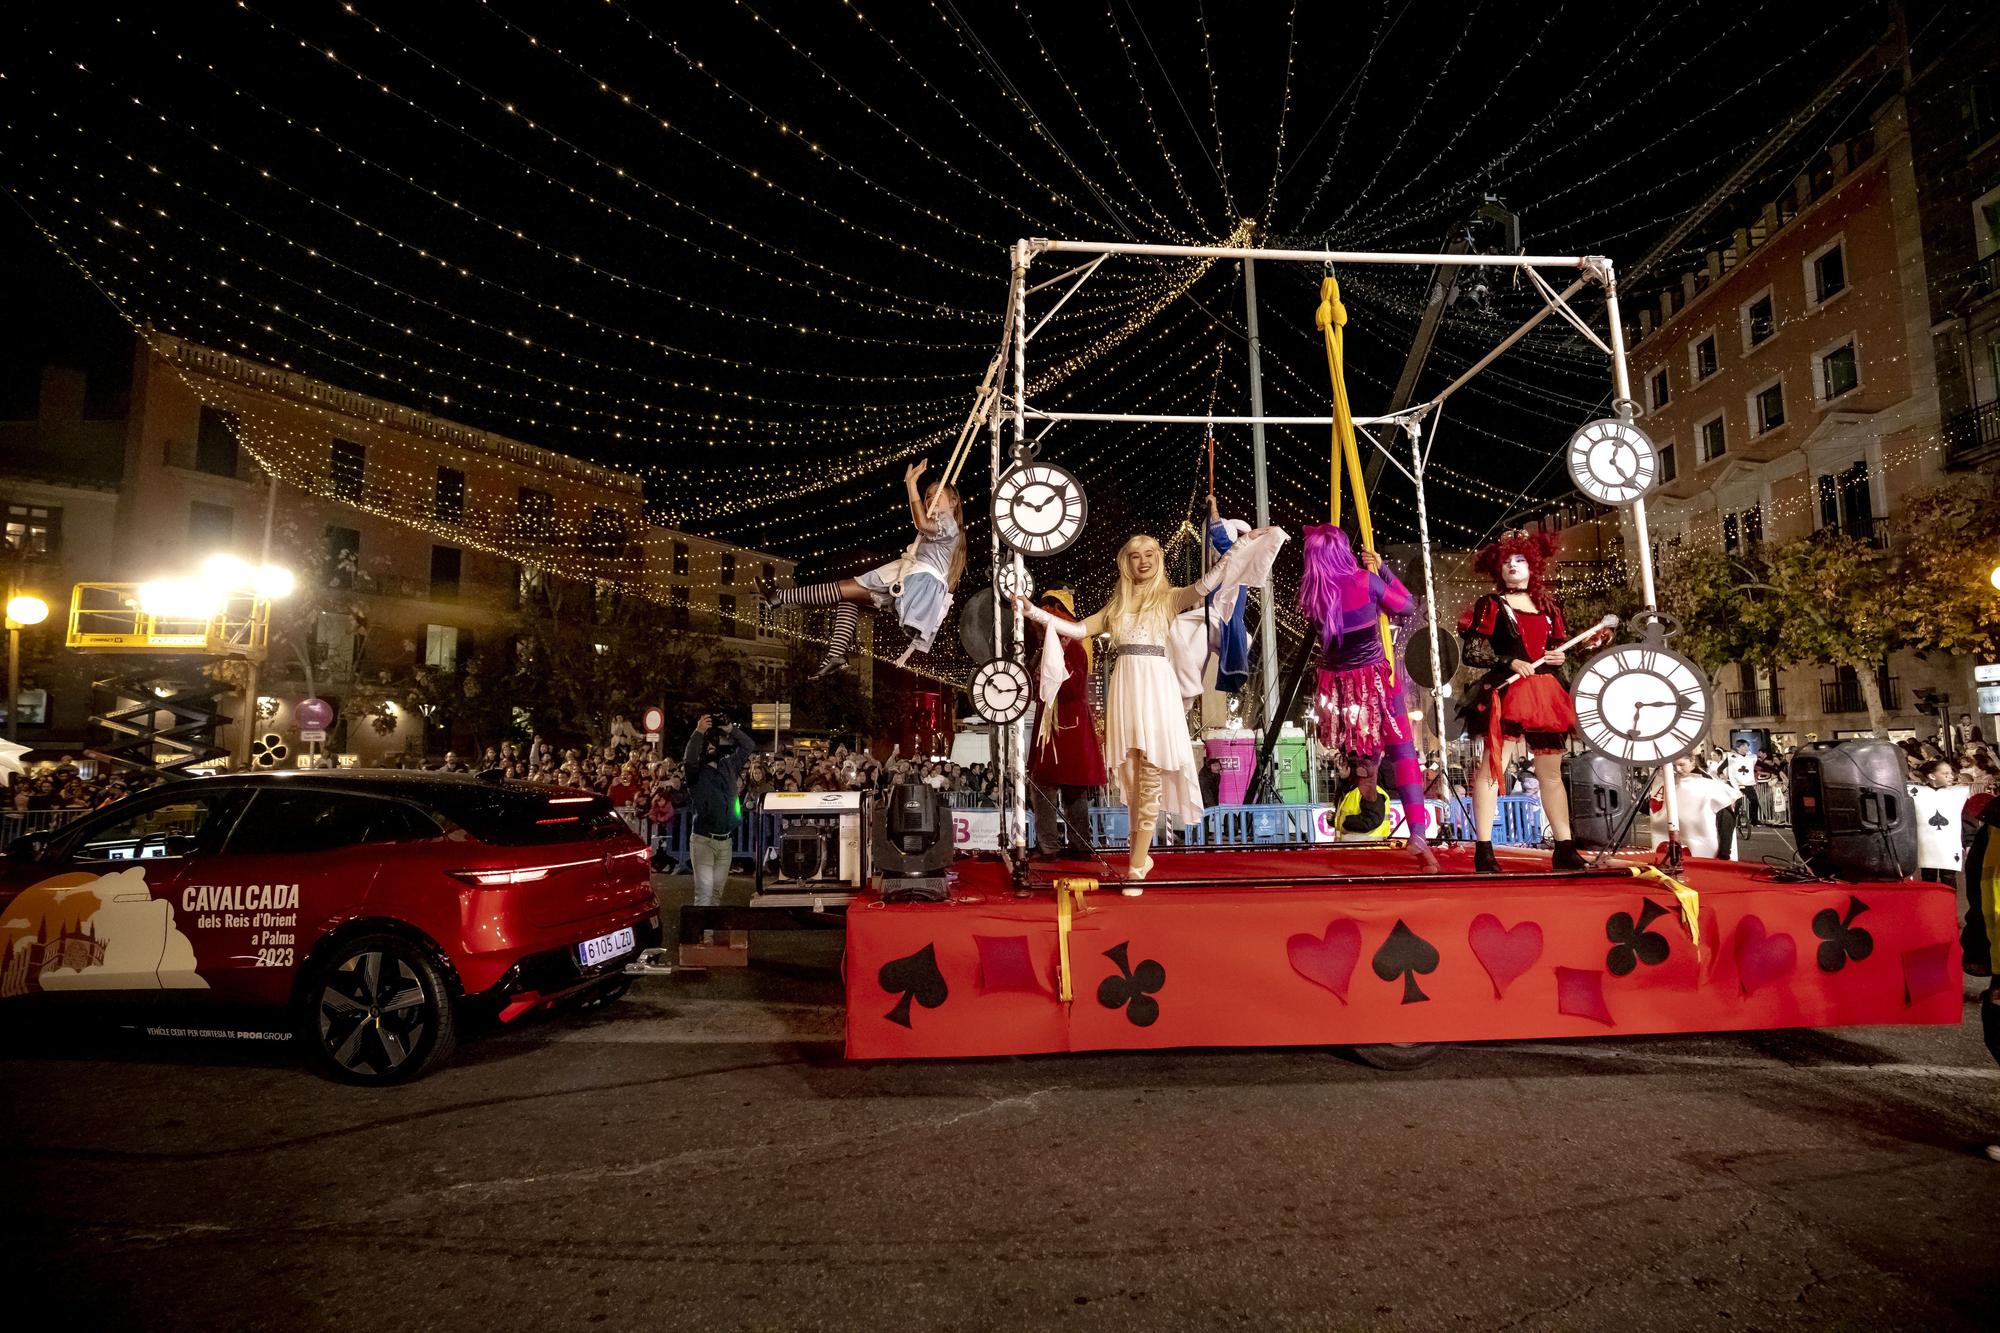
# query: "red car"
{"type": "Point", "coordinates": [365, 911]}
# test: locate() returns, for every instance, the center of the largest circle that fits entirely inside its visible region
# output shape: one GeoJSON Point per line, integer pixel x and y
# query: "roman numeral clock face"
{"type": "Point", "coordinates": [1641, 704]}
{"type": "Point", "coordinates": [1612, 462]}
{"type": "Point", "coordinates": [1039, 509]}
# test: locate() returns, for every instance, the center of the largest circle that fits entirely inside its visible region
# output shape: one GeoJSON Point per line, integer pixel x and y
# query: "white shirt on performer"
{"type": "Point", "coordinates": [1700, 799]}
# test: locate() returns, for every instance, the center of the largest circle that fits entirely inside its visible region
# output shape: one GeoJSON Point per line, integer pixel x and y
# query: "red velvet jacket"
{"type": "Point", "coordinates": [1072, 758]}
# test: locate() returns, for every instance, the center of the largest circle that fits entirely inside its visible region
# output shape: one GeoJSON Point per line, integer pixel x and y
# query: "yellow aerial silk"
{"type": "Point", "coordinates": [1331, 319]}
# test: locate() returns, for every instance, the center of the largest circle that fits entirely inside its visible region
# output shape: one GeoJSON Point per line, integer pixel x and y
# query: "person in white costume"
{"type": "Point", "coordinates": [1158, 634]}
{"type": "Point", "coordinates": [1701, 798]}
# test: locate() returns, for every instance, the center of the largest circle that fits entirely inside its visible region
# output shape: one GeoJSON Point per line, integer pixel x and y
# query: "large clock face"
{"type": "Point", "coordinates": [1641, 704]}
{"type": "Point", "coordinates": [1000, 691]}
{"type": "Point", "coordinates": [1039, 509]}
{"type": "Point", "coordinates": [1612, 462]}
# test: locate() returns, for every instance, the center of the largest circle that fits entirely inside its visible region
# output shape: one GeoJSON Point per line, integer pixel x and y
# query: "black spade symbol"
{"type": "Point", "coordinates": [918, 978]}
{"type": "Point", "coordinates": [1631, 943]}
{"type": "Point", "coordinates": [1133, 987]}
{"type": "Point", "coordinates": [1937, 820]}
{"type": "Point", "coordinates": [1406, 953]}
{"type": "Point", "coordinates": [1840, 938]}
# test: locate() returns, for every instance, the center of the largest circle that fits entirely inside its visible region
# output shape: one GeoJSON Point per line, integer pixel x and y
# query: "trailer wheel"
{"type": "Point", "coordinates": [1400, 1055]}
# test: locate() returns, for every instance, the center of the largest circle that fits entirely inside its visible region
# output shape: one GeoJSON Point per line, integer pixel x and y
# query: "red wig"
{"type": "Point", "coordinates": [1534, 547]}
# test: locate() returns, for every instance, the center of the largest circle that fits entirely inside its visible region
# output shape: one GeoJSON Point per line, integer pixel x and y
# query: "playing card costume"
{"type": "Point", "coordinates": [1363, 710]}
{"type": "Point", "coordinates": [1520, 621]}
{"type": "Point", "coordinates": [1065, 762]}
{"type": "Point", "coordinates": [1157, 632]}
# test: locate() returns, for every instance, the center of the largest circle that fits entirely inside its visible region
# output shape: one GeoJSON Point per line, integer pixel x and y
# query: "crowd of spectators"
{"type": "Point", "coordinates": [61, 786]}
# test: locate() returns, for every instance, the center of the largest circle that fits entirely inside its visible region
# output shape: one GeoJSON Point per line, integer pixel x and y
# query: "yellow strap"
{"type": "Point", "coordinates": [1069, 899]}
{"type": "Point", "coordinates": [1690, 900]}
{"type": "Point", "coordinates": [1332, 319]}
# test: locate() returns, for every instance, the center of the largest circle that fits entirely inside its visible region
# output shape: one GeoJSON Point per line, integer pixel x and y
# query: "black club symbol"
{"type": "Point", "coordinates": [1633, 944]}
{"type": "Point", "coordinates": [1840, 938]}
{"type": "Point", "coordinates": [1132, 988]}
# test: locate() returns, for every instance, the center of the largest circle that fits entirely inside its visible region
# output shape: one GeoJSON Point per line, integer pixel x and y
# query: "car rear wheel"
{"type": "Point", "coordinates": [379, 1011]}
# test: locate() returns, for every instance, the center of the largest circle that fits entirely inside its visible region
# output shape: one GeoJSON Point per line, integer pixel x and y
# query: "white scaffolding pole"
{"type": "Point", "coordinates": [1308, 256]}
{"type": "Point", "coordinates": [1267, 612]}
{"type": "Point", "coordinates": [1017, 749]}
{"type": "Point", "coordinates": [1440, 687]}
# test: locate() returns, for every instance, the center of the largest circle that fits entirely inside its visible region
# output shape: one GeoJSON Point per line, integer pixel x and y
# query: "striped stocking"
{"type": "Point", "coordinates": [810, 594]}
{"type": "Point", "coordinates": [846, 619]}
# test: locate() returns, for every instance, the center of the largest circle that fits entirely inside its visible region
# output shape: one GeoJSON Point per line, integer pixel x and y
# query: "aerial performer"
{"type": "Point", "coordinates": [1363, 711]}
{"type": "Point", "coordinates": [1066, 763]}
{"type": "Point", "coordinates": [1161, 651]}
{"type": "Point", "coordinates": [1514, 634]}
{"type": "Point", "coordinates": [918, 587]}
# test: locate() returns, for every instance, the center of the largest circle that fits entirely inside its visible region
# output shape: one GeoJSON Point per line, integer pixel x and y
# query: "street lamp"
{"type": "Point", "coordinates": [23, 609]}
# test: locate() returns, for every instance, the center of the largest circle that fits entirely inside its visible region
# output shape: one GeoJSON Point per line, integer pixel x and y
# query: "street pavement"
{"type": "Point", "coordinates": [700, 1156]}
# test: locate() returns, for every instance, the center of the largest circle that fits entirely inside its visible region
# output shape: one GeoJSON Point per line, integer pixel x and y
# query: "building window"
{"type": "Point", "coordinates": [215, 443]}
{"type": "Point", "coordinates": [441, 647]}
{"type": "Point", "coordinates": [1760, 320]}
{"type": "Point", "coordinates": [530, 589]}
{"type": "Point", "coordinates": [1986, 223]}
{"type": "Point", "coordinates": [1668, 468]}
{"type": "Point", "coordinates": [34, 532]}
{"type": "Point", "coordinates": [677, 606]}
{"type": "Point", "coordinates": [681, 559]}
{"type": "Point", "coordinates": [1767, 408]}
{"type": "Point", "coordinates": [1656, 390]}
{"type": "Point", "coordinates": [1837, 372]}
{"type": "Point", "coordinates": [727, 603]}
{"type": "Point", "coordinates": [607, 531]}
{"type": "Point", "coordinates": [211, 527]}
{"type": "Point", "coordinates": [448, 501]}
{"type": "Point", "coordinates": [1846, 504]}
{"type": "Point", "coordinates": [728, 567]}
{"type": "Point", "coordinates": [535, 512]}
{"type": "Point", "coordinates": [446, 561]}
{"type": "Point", "coordinates": [769, 575]}
{"type": "Point", "coordinates": [1983, 101]}
{"type": "Point", "coordinates": [1703, 359]}
{"type": "Point", "coordinates": [1826, 273]}
{"type": "Point", "coordinates": [1743, 530]}
{"type": "Point", "coordinates": [347, 468]}
{"type": "Point", "coordinates": [1714, 439]}
{"type": "Point", "coordinates": [343, 557]}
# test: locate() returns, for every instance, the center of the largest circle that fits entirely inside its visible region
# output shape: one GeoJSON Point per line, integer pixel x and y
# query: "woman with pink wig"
{"type": "Point", "coordinates": [1363, 712]}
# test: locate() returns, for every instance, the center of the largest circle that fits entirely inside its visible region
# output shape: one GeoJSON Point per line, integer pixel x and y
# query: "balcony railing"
{"type": "Point", "coordinates": [1767, 702]}
{"type": "Point", "coordinates": [1844, 696]}
{"type": "Point", "coordinates": [1979, 279]}
{"type": "Point", "coordinates": [1974, 434]}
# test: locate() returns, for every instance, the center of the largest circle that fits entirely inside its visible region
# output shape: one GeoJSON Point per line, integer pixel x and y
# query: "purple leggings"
{"type": "Point", "coordinates": [1406, 775]}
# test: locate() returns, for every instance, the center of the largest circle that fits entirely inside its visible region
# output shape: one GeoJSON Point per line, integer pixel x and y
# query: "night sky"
{"type": "Point", "coordinates": [758, 251]}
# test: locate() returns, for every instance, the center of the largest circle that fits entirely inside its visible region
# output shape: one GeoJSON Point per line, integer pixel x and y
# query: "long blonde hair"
{"type": "Point", "coordinates": [958, 516]}
{"type": "Point", "coordinates": [1144, 602]}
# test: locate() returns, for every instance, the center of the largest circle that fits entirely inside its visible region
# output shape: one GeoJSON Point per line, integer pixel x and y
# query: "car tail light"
{"type": "Point", "coordinates": [500, 877]}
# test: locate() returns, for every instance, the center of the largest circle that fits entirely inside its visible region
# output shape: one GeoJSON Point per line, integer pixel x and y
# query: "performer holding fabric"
{"type": "Point", "coordinates": [1160, 648]}
{"type": "Point", "coordinates": [918, 586]}
{"type": "Point", "coordinates": [1512, 631]}
{"type": "Point", "coordinates": [1363, 711]}
{"type": "Point", "coordinates": [1065, 761]}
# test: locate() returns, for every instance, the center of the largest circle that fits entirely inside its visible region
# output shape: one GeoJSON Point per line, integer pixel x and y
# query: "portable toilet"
{"type": "Point", "coordinates": [1237, 753]}
{"type": "Point", "coordinates": [1294, 777]}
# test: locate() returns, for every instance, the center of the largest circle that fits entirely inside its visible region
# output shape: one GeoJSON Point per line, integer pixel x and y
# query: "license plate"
{"type": "Point", "coordinates": [606, 947]}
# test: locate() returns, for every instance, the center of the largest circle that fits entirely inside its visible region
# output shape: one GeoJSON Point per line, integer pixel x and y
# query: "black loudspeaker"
{"type": "Point", "coordinates": [1600, 800]}
{"type": "Point", "coordinates": [802, 852]}
{"type": "Point", "coordinates": [1851, 810]}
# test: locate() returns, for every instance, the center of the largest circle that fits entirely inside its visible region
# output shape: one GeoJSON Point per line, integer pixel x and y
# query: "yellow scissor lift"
{"type": "Point", "coordinates": [172, 621]}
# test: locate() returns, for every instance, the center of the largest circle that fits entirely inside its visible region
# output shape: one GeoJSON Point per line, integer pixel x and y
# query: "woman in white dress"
{"type": "Point", "coordinates": [1145, 713]}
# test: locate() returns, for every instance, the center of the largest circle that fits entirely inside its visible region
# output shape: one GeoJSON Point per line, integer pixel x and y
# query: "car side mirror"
{"type": "Point", "coordinates": [28, 847]}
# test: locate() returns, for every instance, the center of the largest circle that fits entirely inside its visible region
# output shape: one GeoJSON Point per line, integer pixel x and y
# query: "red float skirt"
{"type": "Point", "coordinates": [1536, 708]}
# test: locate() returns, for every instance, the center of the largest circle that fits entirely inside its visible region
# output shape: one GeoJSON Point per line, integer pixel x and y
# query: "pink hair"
{"type": "Point", "coordinates": [1329, 562]}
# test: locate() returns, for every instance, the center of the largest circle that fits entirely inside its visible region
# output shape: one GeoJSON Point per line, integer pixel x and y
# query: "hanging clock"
{"type": "Point", "coordinates": [1641, 703]}
{"type": "Point", "coordinates": [1039, 509]}
{"type": "Point", "coordinates": [1612, 461]}
{"type": "Point", "coordinates": [1000, 691]}
{"type": "Point", "coordinates": [1012, 579]}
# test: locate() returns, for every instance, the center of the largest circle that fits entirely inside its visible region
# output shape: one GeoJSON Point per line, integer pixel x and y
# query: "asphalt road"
{"type": "Point", "coordinates": [700, 1156]}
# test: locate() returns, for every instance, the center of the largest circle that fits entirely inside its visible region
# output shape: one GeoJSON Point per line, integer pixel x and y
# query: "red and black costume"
{"type": "Point", "coordinates": [1493, 636]}
{"type": "Point", "coordinates": [1065, 761]}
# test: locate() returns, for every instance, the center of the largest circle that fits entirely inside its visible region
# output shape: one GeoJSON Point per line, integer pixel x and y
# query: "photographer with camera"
{"type": "Point", "coordinates": [716, 755]}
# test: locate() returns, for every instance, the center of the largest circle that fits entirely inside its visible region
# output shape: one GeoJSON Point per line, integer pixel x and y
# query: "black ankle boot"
{"type": "Point", "coordinates": [1566, 857]}
{"type": "Point", "coordinates": [1483, 859]}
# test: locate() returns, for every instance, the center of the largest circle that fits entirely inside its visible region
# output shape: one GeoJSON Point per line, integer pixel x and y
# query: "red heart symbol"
{"type": "Point", "coordinates": [1504, 953]}
{"type": "Point", "coordinates": [1762, 958]}
{"type": "Point", "coordinates": [1329, 960]}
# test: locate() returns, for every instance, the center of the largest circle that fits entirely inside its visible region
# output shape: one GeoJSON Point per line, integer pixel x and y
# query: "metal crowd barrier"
{"type": "Point", "coordinates": [1518, 823]}
{"type": "Point", "coordinates": [20, 823]}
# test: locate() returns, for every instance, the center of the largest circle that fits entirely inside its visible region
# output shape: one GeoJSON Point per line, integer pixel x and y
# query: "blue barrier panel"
{"type": "Point", "coordinates": [1517, 821]}
{"type": "Point", "coordinates": [754, 835]}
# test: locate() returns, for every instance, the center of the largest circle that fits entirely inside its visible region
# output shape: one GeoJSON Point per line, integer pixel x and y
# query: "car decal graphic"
{"type": "Point", "coordinates": [81, 931]}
